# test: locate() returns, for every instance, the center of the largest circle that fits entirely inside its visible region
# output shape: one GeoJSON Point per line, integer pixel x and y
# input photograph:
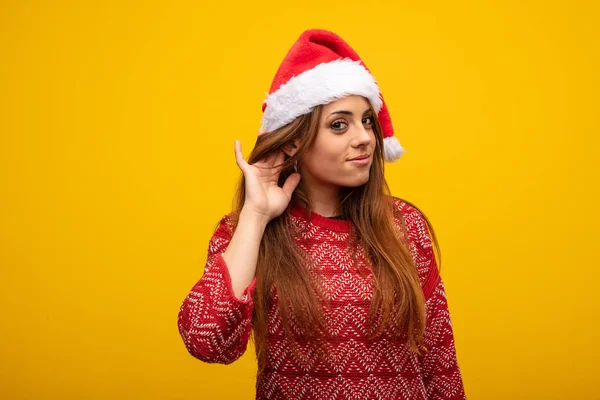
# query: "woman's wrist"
{"type": "Point", "coordinates": [253, 218]}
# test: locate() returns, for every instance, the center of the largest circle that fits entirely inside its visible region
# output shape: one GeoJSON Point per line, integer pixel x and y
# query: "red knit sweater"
{"type": "Point", "coordinates": [215, 325]}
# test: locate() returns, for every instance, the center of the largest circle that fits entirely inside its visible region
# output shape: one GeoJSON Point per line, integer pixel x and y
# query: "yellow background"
{"type": "Point", "coordinates": [117, 127]}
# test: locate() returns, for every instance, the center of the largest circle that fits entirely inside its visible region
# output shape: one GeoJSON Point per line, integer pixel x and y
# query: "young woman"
{"type": "Point", "coordinates": [335, 278]}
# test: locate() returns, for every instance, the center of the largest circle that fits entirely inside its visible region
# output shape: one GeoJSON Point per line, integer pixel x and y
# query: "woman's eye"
{"type": "Point", "coordinates": [338, 125]}
{"type": "Point", "coordinates": [367, 120]}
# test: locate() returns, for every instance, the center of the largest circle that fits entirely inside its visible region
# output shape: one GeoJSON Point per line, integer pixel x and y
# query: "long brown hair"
{"type": "Point", "coordinates": [280, 265]}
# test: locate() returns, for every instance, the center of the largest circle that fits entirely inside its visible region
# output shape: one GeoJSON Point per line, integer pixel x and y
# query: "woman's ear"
{"type": "Point", "coordinates": [291, 148]}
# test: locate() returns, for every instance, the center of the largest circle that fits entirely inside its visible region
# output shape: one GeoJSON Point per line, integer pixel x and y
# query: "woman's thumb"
{"type": "Point", "coordinates": [290, 184]}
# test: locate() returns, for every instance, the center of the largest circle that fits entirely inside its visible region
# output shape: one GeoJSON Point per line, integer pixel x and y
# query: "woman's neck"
{"type": "Point", "coordinates": [326, 209]}
{"type": "Point", "coordinates": [324, 198]}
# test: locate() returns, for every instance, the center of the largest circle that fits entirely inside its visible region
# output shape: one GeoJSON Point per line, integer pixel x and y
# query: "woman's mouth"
{"type": "Point", "coordinates": [361, 160]}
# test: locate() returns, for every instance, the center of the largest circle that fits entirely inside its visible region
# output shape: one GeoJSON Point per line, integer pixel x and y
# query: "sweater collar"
{"type": "Point", "coordinates": [338, 225]}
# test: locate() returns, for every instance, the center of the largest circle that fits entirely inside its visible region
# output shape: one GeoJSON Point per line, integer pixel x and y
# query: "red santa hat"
{"type": "Point", "coordinates": [320, 68]}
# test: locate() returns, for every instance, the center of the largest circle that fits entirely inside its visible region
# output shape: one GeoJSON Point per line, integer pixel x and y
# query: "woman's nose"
{"type": "Point", "coordinates": [363, 136]}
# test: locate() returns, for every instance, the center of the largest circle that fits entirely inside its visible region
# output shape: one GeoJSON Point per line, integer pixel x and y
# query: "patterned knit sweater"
{"type": "Point", "coordinates": [215, 325]}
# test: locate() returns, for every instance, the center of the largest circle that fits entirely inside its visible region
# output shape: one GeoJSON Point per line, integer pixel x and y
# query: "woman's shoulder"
{"type": "Point", "coordinates": [412, 218]}
{"type": "Point", "coordinates": [416, 229]}
{"type": "Point", "coordinates": [405, 207]}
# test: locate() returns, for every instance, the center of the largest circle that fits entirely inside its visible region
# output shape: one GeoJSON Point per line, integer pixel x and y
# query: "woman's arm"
{"type": "Point", "coordinates": [215, 318]}
{"type": "Point", "coordinates": [441, 373]}
{"type": "Point", "coordinates": [242, 253]}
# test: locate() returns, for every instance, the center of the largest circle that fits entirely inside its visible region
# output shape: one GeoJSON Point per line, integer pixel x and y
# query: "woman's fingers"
{"type": "Point", "coordinates": [271, 161]}
{"type": "Point", "coordinates": [280, 157]}
{"type": "Point", "coordinates": [271, 165]}
{"type": "Point", "coordinates": [239, 156]}
{"type": "Point", "coordinates": [276, 163]}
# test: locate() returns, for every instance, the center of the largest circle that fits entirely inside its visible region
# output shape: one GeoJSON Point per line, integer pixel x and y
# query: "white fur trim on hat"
{"type": "Point", "coordinates": [392, 150]}
{"type": "Point", "coordinates": [322, 84]}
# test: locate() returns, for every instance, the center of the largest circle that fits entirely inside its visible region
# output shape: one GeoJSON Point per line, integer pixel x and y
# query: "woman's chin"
{"type": "Point", "coordinates": [355, 182]}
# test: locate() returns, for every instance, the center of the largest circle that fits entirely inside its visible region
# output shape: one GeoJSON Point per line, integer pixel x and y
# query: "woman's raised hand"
{"type": "Point", "coordinates": [264, 198]}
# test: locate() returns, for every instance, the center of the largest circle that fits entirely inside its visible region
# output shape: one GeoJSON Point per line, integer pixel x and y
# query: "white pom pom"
{"type": "Point", "coordinates": [392, 150]}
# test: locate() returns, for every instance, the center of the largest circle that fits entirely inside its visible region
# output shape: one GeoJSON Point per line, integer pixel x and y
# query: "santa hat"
{"type": "Point", "coordinates": [320, 68]}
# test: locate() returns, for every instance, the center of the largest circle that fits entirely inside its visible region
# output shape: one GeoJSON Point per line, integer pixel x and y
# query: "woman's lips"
{"type": "Point", "coordinates": [361, 161]}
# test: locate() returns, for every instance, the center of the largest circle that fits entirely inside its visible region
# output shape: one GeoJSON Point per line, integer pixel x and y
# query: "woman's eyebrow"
{"type": "Point", "coordinates": [348, 112]}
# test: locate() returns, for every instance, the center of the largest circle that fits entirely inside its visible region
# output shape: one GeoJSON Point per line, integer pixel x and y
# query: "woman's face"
{"type": "Point", "coordinates": [345, 132]}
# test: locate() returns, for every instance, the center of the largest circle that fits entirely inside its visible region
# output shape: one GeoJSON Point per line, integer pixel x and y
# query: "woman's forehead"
{"type": "Point", "coordinates": [350, 103]}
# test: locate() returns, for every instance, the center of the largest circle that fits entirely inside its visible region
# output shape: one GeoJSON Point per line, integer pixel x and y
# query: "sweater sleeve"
{"type": "Point", "coordinates": [441, 373]}
{"type": "Point", "coordinates": [213, 322]}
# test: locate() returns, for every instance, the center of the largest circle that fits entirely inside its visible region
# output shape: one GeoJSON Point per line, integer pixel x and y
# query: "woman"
{"type": "Point", "coordinates": [335, 278]}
